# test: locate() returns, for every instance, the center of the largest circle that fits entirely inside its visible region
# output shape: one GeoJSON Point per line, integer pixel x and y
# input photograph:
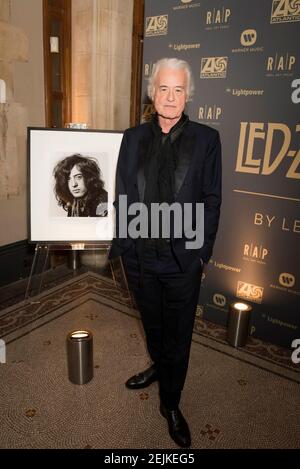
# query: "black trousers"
{"type": "Point", "coordinates": [167, 300]}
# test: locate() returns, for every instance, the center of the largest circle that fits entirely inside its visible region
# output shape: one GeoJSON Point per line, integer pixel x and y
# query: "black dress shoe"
{"type": "Point", "coordinates": [178, 427]}
{"type": "Point", "coordinates": [143, 379]}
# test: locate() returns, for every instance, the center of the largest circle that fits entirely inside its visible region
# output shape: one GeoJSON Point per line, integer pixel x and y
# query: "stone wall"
{"type": "Point", "coordinates": [20, 36]}
{"type": "Point", "coordinates": [13, 123]}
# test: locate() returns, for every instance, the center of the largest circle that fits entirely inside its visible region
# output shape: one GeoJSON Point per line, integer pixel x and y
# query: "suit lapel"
{"type": "Point", "coordinates": [185, 154]}
{"type": "Point", "coordinates": [143, 149]}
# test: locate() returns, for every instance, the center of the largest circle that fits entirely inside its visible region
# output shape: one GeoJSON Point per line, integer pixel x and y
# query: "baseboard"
{"type": "Point", "coordinates": [15, 261]}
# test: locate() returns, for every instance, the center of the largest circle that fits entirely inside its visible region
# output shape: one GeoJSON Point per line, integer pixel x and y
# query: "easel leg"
{"type": "Point", "coordinates": [121, 291]}
{"type": "Point", "coordinates": [38, 252]}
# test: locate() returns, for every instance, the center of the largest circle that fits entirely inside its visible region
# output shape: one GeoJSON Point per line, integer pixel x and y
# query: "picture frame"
{"type": "Point", "coordinates": [71, 178]}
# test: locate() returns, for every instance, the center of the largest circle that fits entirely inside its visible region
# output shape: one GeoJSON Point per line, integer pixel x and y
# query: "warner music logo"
{"type": "Point", "coordinates": [248, 39]}
{"type": "Point", "coordinates": [186, 4]}
{"type": "Point", "coordinates": [219, 300]}
{"type": "Point", "coordinates": [250, 292]}
{"type": "Point", "coordinates": [213, 67]}
{"type": "Point", "coordinates": [157, 25]}
{"type": "Point", "coordinates": [244, 92]}
{"type": "Point", "coordinates": [285, 11]}
{"type": "Point", "coordinates": [209, 112]}
{"type": "Point", "coordinates": [286, 282]}
{"type": "Point", "coordinates": [255, 253]}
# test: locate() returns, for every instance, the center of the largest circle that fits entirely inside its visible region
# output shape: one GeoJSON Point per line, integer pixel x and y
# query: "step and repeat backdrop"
{"type": "Point", "coordinates": [246, 64]}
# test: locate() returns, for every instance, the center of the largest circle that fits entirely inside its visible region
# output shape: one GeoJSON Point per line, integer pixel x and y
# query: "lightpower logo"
{"type": "Point", "coordinates": [2, 351]}
{"type": "Point", "coordinates": [296, 353]}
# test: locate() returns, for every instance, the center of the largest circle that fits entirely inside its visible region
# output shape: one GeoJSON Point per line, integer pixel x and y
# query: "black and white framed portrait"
{"type": "Point", "coordinates": [72, 184]}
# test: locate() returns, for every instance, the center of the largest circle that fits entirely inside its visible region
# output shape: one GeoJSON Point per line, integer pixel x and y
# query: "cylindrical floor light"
{"type": "Point", "coordinates": [238, 324]}
{"type": "Point", "coordinates": [80, 356]}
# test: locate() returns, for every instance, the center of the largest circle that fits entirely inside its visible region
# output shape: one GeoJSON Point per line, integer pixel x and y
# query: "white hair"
{"type": "Point", "coordinates": [175, 64]}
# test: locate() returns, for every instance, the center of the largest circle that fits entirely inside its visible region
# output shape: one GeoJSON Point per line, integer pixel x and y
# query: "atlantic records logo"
{"type": "Point", "coordinates": [219, 300]}
{"type": "Point", "coordinates": [287, 280]}
{"type": "Point", "coordinates": [248, 37]}
{"type": "Point", "coordinates": [213, 67]}
{"type": "Point", "coordinates": [157, 25]}
{"type": "Point", "coordinates": [148, 111]}
{"type": "Point", "coordinates": [285, 11]}
{"type": "Point", "coordinates": [249, 292]}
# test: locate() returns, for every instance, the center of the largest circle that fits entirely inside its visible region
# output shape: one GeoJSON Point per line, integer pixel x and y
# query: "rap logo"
{"type": "Point", "coordinates": [219, 299]}
{"type": "Point", "coordinates": [156, 25]}
{"type": "Point", "coordinates": [248, 37]}
{"type": "Point", "coordinates": [287, 280]}
{"type": "Point", "coordinates": [296, 353]}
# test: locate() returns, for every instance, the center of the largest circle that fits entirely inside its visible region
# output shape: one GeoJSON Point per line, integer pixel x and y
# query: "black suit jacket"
{"type": "Point", "coordinates": [197, 179]}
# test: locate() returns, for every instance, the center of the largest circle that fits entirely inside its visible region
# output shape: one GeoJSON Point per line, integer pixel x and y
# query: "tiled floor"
{"type": "Point", "coordinates": [15, 292]}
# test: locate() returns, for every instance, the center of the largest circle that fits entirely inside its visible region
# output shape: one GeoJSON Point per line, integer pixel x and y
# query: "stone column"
{"type": "Point", "coordinates": [102, 37]}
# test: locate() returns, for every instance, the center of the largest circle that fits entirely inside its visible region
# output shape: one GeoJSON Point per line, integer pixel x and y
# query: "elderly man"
{"type": "Point", "coordinates": [171, 161]}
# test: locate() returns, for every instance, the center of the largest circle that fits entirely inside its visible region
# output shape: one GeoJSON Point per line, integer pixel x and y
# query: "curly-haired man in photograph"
{"type": "Point", "coordinates": [79, 188]}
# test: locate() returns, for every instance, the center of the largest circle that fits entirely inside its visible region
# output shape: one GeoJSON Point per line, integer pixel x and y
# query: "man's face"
{"type": "Point", "coordinates": [76, 182]}
{"type": "Point", "coordinates": [170, 93]}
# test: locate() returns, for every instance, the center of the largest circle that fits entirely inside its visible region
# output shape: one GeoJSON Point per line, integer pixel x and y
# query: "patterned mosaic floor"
{"type": "Point", "coordinates": [233, 398]}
